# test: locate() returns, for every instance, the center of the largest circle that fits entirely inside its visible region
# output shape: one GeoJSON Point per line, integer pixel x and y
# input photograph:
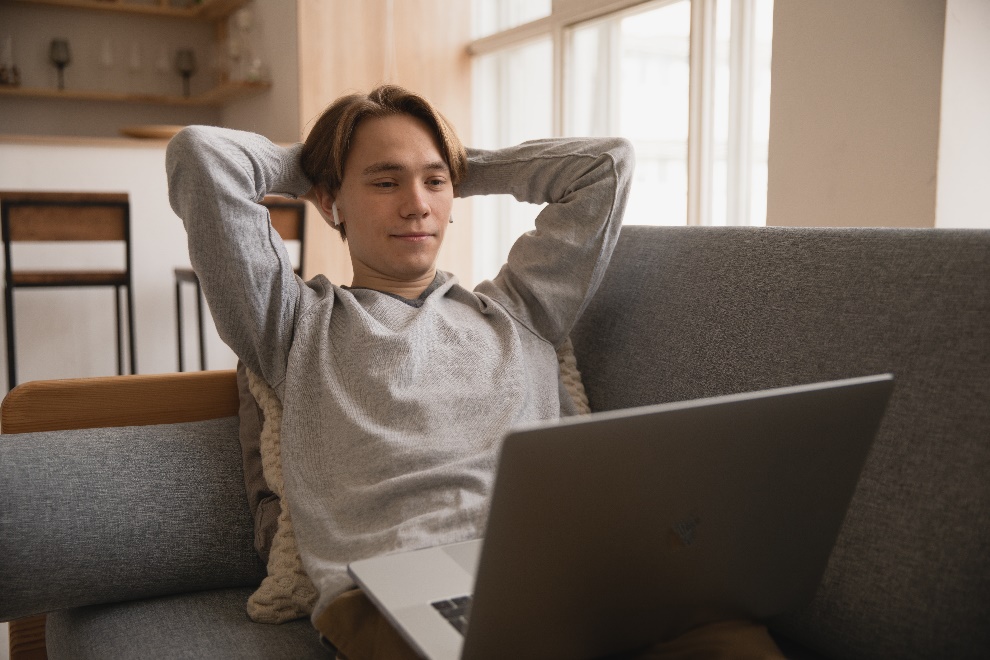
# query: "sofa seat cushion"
{"type": "Point", "coordinates": [206, 624]}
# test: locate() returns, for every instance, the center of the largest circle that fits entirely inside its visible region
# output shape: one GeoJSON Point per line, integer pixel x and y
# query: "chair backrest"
{"type": "Point", "coordinates": [289, 220]}
{"type": "Point", "coordinates": [44, 216]}
{"type": "Point", "coordinates": [64, 217]}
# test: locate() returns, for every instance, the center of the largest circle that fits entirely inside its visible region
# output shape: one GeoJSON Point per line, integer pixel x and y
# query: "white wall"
{"type": "Point", "coordinates": [964, 145]}
{"type": "Point", "coordinates": [64, 334]}
{"type": "Point", "coordinates": [274, 114]}
{"type": "Point", "coordinates": [854, 117]}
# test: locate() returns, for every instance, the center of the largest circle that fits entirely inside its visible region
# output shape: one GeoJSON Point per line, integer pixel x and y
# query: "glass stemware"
{"type": "Point", "coordinates": [106, 63]}
{"type": "Point", "coordinates": [134, 61]}
{"type": "Point", "coordinates": [60, 56]}
{"type": "Point", "coordinates": [9, 74]}
{"type": "Point", "coordinates": [185, 64]}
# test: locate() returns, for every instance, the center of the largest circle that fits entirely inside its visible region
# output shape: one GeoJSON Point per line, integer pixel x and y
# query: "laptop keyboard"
{"type": "Point", "coordinates": [455, 610]}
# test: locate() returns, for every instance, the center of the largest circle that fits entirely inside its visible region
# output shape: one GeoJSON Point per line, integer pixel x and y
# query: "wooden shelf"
{"type": "Point", "coordinates": [225, 93]}
{"type": "Point", "coordinates": [207, 10]}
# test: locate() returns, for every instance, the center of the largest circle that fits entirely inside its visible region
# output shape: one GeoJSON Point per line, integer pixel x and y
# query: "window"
{"type": "Point", "coordinates": [491, 16]}
{"type": "Point", "coordinates": [501, 120]}
{"type": "Point", "coordinates": [629, 75]}
{"type": "Point", "coordinates": [687, 81]}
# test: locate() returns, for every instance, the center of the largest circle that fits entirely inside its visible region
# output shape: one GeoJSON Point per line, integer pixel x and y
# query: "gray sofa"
{"type": "Point", "coordinates": [139, 542]}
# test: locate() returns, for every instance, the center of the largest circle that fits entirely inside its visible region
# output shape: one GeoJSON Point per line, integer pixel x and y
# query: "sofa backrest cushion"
{"type": "Point", "coordinates": [135, 512]}
{"type": "Point", "coordinates": [693, 312]}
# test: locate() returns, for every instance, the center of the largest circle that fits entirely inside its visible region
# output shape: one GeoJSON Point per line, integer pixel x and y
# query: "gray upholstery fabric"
{"type": "Point", "coordinates": [203, 625]}
{"type": "Point", "coordinates": [105, 515]}
{"type": "Point", "coordinates": [693, 312]}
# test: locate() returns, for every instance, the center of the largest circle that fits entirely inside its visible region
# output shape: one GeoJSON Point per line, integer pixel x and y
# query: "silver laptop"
{"type": "Point", "coordinates": [613, 531]}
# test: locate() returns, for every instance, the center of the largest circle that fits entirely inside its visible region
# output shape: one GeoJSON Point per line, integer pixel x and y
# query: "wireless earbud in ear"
{"type": "Point", "coordinates": [336, 218]}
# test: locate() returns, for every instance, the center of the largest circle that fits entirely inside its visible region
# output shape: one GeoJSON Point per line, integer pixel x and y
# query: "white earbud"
{"type": "Point", "coordinates": [336, 218]}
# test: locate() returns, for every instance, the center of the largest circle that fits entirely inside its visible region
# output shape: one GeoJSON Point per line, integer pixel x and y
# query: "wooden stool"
{"type": "Point", "coordinates": [288, 217]}
{"type": "Point", "coordinates": [42, 217]}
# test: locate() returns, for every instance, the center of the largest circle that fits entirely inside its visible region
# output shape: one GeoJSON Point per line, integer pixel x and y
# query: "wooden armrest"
{"type": "Point", "coordinates": [82, 403]}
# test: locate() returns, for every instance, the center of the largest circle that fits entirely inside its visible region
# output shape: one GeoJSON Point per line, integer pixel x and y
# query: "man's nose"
{"type": "Point", "coordinates": [415, 203]}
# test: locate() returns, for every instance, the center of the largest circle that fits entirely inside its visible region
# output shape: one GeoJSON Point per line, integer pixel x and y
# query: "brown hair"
{"type": "Point", "coordinates": [326, 147]}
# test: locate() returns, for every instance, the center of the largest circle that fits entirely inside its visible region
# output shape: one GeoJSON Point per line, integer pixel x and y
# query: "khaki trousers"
{"type": "Point", "coordinates": [358, 630]}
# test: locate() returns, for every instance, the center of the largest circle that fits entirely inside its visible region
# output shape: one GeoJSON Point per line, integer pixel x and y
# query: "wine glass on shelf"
{"type": "Point", "coordinates": [9, 74]}
{"type": "Point", "coordinates": [241, 40]}
{"type": "Point", "coordinates": [134, 61]}
{"type": "Point", "coordinates": [60, 56]}
{"type": "Point", "coordinates": [162, 64]}
{"type": "Point", "coordinates": [185, 64]}
{"type": "Point", "coordinates": [106, 62]}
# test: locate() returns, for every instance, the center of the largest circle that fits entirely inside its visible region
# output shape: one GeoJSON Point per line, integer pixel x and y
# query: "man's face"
{"type": "Point", "coordinates": [395, 200]}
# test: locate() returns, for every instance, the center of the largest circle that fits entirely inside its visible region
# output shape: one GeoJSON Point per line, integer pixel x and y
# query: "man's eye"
{"type": "Point", "coordinates": [437, 182]}
{"type": "Point", "coordinates": [384, 184]}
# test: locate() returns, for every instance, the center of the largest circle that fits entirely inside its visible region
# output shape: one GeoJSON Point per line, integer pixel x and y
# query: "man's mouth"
{"type": "Point", "coordinates": [413, 236]}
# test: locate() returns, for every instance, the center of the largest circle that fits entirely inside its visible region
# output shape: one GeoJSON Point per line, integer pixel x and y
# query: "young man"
{"type": "Point", "coordinates": [397, 389]}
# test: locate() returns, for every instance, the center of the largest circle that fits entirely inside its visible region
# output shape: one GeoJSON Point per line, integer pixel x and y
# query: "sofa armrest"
{"type": "Point", "coordinates": [85, 403]}
{"type": "Point", "coordinates": [108, 514]}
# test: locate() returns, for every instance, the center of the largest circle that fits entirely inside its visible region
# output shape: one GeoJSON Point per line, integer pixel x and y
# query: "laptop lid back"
{"type": "Point", "coordinates": [609, 532]}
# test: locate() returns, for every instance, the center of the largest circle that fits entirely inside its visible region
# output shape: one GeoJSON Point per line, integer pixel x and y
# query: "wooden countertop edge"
{"type": "Point", "coordinates": [88, 141]}
{"type": "Point", "coordinates": [80, 141]}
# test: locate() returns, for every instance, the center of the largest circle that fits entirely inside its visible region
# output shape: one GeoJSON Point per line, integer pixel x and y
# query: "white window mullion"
{"type": "Point", "coordinates": [613, 48]}
{"type": "Point", "coordinates": [700, 121]}
{"type": "Point", "coordinates": [740, 147]}
{"type": "Point", "coordinates": [560, 64]}
{"type": "Point", "coordinates": [502, 238]}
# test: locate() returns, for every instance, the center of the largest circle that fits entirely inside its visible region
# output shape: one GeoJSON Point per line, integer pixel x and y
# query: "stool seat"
{"type": "Point", "coordinates": [187, 275]}
{"type": "Point", "coordinates": [69, 278]}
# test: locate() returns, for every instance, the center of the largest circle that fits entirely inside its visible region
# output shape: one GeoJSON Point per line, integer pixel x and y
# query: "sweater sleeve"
{"type": "Point", "coordinates": [216, 179]}
{"type": "Point", "coordinates": [552, 272]}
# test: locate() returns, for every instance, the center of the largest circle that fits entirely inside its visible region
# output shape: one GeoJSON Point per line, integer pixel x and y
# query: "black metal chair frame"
{"type": "Point", "coordinates": [188, 276]}
{"type": "Point", "coordinates": [21, 200]}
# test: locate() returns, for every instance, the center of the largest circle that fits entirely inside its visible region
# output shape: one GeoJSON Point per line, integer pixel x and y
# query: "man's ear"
{"type": "Point", "coordinates": [324, 198]}
{"type": "Point", "coordinates": [325, 205]}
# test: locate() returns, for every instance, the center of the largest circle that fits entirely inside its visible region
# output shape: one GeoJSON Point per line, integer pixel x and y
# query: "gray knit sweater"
{"type": "Point", "coordinates": [393, 414]}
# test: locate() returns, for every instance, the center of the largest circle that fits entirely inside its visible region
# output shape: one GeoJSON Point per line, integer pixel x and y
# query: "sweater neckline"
{"type": "Point", "coordinates": [412, 302]}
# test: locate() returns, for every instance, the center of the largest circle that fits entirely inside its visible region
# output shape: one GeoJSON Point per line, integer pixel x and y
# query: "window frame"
{"type": "Point", "coordinates": [567, 15]}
